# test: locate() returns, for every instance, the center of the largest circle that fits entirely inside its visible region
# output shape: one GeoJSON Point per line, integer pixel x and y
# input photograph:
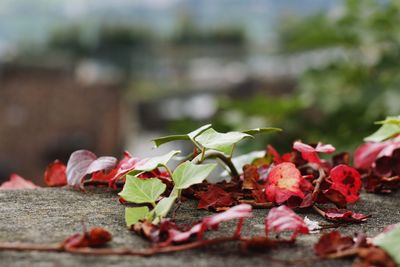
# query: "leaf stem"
{"type": "Point", "coordinates": [218, 155]}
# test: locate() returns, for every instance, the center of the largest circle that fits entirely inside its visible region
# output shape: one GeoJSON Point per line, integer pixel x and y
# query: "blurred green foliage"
{"type": "Point", "coordinates": [338, 103]}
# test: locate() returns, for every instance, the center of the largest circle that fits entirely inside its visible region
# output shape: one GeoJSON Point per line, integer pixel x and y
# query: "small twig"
{"type": "Point", "coordinates": [257, 205]}
{"type": "Point", "coordinates": [319, 211]}
{"type": "Point", "coordinates": [318, 183]}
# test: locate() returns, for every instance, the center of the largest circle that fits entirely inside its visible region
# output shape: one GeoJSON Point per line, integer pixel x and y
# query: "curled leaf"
{"type": "Point", "coordinates": [366, 154]}
{"type": "Point", "coordinates": [282, 219]}
{"type": "Point", "coordinates": [55, 174]}
{"type": "Point", "coordinates": [190, 136]}
{"type": "Point", "coordinates": [239, 212]}
{"type": "Point", "coordinates": [84, 162]}
{"type": "Point", "coordinates": [309, 153]}
{"type": "Point", "coordinates": [347, 181]}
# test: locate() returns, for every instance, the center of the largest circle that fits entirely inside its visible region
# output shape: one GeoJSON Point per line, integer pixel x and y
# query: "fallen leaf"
{"type": "Point", "coordinates": [342, 215]}
{"type": "Point", "coordinates": [283, 182]}
{"type": "Point", "coordinates": [250, 177]}
{"type": "Point", "coordinates": [17, 182]}
{"type": "Point", "coordinates": [332, 242]}
{"type": "Point", "coordinates": [309, 153]}
{"type": "Point", "coordinates": [84, 162]}
{"type": "Point", "coordinates": [347, 181]}
{"type": "Point", "coordinates": [212, 222]}
{"type": "Point", "coordinates": [282, 219]}
{"type": "Point", "coordinates": [94, 238]}
{"type": "Point", "coordinates": [55, 174]}
{"type": "Point", "coordinates": [214, 197]}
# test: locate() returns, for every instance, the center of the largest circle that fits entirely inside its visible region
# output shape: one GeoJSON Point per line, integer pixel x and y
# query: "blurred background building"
{"type": "Point", "coordinates": [109, 75]}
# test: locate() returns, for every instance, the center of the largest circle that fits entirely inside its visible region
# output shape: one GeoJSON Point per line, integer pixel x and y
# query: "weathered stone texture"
{"type": "Point", "coordinates": [50, 215]}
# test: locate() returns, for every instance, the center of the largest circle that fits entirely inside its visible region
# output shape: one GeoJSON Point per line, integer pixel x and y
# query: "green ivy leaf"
{"type": "Point", "coordinates": [135, 214]}
{"type": "Point", "coordinates": [198, 131]}
{"type": "Point", "coordinates": [385, 132]}
{"type": "Point", "coordinates": [223, 142]}
{"type": "Point", "coordinates": [390, 120]}
{"type": "Point", "coordinates": [190, 136]}
{"type": "Point", "coordinates": [164, 205]}
{"type": "Point", "coordinates": [142, 190]}
{"type": "Point", "coordinates": [262, 130]}
{"type": "Point", "coordinates": [389, 242]}
{"type": "Point", "coordinates": [150, 164]}
{"type": "Point", "coordinates": [187, 174]}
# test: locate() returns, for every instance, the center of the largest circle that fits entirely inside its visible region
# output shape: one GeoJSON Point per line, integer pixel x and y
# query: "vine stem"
{"type": "Point", "coordinates": [216, 154]}
{"type": "Point", "coordinates": [115, 251]}
{"type": "Point", "coordinates": [318, 183]}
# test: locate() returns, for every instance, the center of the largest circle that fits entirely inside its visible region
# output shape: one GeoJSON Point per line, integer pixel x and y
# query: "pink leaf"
{"type": "Point", "coordinates": [237, 212]}
{"type": "Point", "coordinates": [83, 162]}
{"type": "Point", "coordinates": [178, 236]}
{"type": "Point", "coordinates": [284, 219]}
{"type": "Point", "coordinates": [17, 182]}
{"type": "Point", "coordinates": [366, 154]}
{"type": "Point", "coordinates": [309, 153]}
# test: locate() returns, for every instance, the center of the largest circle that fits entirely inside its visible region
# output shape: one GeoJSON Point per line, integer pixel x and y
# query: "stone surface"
{"type": "Point", "coordinates": [49, 215]}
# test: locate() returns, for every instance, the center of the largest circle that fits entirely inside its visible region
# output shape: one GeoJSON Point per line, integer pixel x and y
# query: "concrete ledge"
{"type": "Point", "coordinates": [51, 214]}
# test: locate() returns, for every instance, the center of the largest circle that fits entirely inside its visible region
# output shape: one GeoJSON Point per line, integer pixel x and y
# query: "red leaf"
{"type": "Point", "coordinates": [84, 162]}
{"type": "Point", "coordinates": [283, 182]}
{"type": "Point", "coordinates": [342, 215]}
{"type": "Point", "coordinates": [214, 197]}
{"type": "Point", "coordinates": [309, 153]}
{"type": "Point", "coordinates": [333, 196]}
{"type": "Point", "coordinates": [366, 154]}
{"type": "Point", "coordinates": [275, 155]}
{"type": "Point", "coordinates": [331, 243]}
{"type": "Point", "coordinates": [284, 219]}
{"type": "Point", "coordinates": [55, 174]}
{"type": "Point", "coordinates": [347, 181]}
{"type": "Point", "coordinates": [94, 238]}
{"type": "Point", "coordinates": [17, 182]}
